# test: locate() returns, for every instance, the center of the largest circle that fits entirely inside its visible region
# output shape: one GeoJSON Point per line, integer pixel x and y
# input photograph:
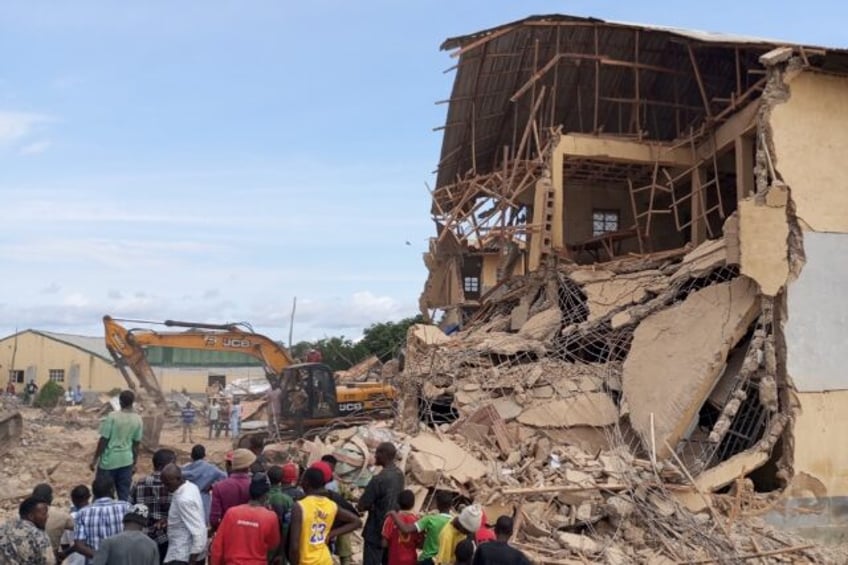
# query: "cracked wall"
{"type": "Point", "coordinates": [804, 138]}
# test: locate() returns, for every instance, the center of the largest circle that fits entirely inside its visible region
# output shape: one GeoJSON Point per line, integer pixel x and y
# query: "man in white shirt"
{"type": "Point", "coordinates": [187, 534]}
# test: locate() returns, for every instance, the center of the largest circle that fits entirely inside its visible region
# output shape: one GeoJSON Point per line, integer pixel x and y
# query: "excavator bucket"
{"type": "Point", "coordinates": [11, 429]}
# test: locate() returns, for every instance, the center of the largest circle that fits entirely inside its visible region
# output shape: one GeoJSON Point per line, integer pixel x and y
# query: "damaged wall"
{"type": "Point", "coordinates": [820, 426]}
{"type": "Point", "coordinates": [810, 135]}
{"type": "Point", "coordinates": [816, 331]}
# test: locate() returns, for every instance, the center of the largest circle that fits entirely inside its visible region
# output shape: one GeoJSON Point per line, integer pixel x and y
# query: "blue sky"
{"type": "Point", "coordinates": [212, 160]}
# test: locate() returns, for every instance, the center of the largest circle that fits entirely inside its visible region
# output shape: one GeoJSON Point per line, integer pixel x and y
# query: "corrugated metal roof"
{"type": "Point", "coordinates": [94, 345]}
{"type": "Point", "coordinates": [586, 67]}
{"type": "Point", "coordinates": [698, 35]}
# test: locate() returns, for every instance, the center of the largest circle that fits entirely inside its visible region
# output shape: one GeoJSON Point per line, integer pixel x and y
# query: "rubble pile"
{"type": "Point", "coordinates": [581, 399]}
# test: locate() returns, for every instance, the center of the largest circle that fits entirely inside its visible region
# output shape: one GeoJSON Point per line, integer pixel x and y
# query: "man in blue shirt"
{"type": "Point", "coordinates": [188, 415]}
{"type": "Point", "coordinates": [204, 475]}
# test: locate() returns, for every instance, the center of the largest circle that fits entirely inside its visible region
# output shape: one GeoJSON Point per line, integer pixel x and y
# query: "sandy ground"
{"type": "Point", "coordinates": [57, 448]}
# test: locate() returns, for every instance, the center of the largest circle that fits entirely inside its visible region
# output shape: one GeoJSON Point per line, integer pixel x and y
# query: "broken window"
{"type": "Point", "coordinates": [16, 376]}
{"type": "Point", "coordinates": [57, 375]}
{"type": "Point", "coordinates": [604, 221]}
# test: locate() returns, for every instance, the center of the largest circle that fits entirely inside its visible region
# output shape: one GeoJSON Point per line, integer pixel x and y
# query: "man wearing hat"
{"type": "Point", "coordinates": [233, 490]}
{"type": "Point", "coordinates": [132, 546]}
{"type": "Point", "coordinates": [291, 474]}
{"type": "Point", "coordinates": [460, 528]}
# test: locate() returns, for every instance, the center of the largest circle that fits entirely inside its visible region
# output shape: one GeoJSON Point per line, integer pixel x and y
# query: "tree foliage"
{"type": "Point", "coordinates": [49, 395]}
{"type": "Point", "coordinates": [384, 339]}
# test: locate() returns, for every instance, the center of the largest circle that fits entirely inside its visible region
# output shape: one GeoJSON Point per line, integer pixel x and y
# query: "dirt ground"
{"type": "Point", "coordinates": [57, 448]}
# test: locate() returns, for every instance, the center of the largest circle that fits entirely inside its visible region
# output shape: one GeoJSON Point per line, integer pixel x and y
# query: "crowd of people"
{"type": "Point", "coordinates": [248, 513]}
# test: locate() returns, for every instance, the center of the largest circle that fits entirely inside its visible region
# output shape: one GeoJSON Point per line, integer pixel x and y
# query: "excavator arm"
{"type": "Point", "coordinates": [127, 348]}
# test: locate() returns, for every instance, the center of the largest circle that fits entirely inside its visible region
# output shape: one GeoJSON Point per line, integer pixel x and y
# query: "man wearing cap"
{"type": "Point", "coordinates": [460, 528]}
{"type": "Point", "coordinates": [291, 473]}
{"type": "Point", "coordinates": [132, 546]}
{"type": "Point", "coordinates": [233, 490]}
{"type": "Point", "coordinates": [380, 498]}
{"type": "Point", "coordinates": [342, 546]}
{"type": "Point", "coordinates": [249, 533]}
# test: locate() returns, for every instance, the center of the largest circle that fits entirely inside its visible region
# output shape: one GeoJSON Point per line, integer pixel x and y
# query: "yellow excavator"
{"type": "Point", "coordinates": [309, 399]}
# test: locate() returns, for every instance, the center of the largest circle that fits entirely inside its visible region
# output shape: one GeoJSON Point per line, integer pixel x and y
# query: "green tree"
{"type": "Point", "coordinates": [385, 339]}
{"type": "Point", "coordinates": [49, 395]}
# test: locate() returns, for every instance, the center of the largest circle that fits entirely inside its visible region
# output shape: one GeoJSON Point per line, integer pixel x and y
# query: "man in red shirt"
{"type": "Point", "coordinates": [401, 548]}
{"type": "Point", "coordinates": [249, 531]}
{"type": "Point", "coordinates": [233, 490]}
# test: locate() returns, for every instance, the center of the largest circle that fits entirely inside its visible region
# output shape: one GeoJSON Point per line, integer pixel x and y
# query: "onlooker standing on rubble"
{"type": "Point", "coordinates": [151, 492]}
{"type": "Point", "coordinates": [281, 504]}
{"type": "Point", "coordinates": [460, 528]}
{"type": "Point", "coordinates": [58, 520]}
{"type": "Point", "coordinates": [30, 391]}
{"type": "Point", "coordinates": [132, 546]}
{"type": "Point", "coordinates": [213, 414]}
{"type": "Point", "coordinates": [22, 540]}
{"type": "Point", "coordinates": [291, 474]}
{"type": "Point", "coordinates": [102, 519]}
{"type": "Point", "coordinates": [10, 389]}
{"type": "Point", "coordinates": [249, 534]}
{"type": "Point", "coordinates": [233, 490]}
{"type": "Point", "coordinates": [430, 526]}
{"type": "Point", "coordinates": [235, 418]}
{"type": "Point", "coordinates": [499, 552]}
{"type": "Point", "coordinates": [187, 417]}
{"type": "Point", "coordinates": [203, 474]}
{"type": "Point", "coordinates": [78, 396]}
{"type": "Point", "coordinates": [187, 532]}
{"type": "Point", "coordinates": [380, 497]}
{"type": "Point", "coordinates": [117, 450]}
{"type": "Point", "coordinates": [401, 547]}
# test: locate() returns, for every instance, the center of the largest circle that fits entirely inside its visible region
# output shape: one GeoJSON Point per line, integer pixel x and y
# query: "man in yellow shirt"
{"type": "Point", "coordinates": [460, 528]}
{"type": "Point", "coordinates": [315, 521]}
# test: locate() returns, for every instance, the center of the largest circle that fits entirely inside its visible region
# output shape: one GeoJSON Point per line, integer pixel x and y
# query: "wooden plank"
{"type": "Point", "coordinates": [700, 82]}
{"type": "Point", "coordinates": [536, 76]}
{"type": "Point", "coordinates": [740, 123]}
{"type": "Point", "coordinates": [697, 204]}
{"type": "Point", "coordinates": [482, 41]}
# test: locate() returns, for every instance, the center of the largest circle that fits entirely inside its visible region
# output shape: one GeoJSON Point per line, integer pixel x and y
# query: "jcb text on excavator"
{"type": "Point", "coordinates": [308, 398]}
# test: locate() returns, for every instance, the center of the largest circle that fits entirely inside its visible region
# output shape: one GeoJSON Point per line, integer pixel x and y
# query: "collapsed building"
{"type": "Point", "coordinates": [640, 237]}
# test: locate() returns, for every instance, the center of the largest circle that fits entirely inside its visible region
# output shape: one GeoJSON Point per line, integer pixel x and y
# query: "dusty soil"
{"type": "Point", "coordinates": [57, 448]}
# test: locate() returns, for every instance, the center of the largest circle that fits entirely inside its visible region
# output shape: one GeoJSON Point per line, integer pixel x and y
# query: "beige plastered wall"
{"type": "Point", "coordinates": [810, 137]}
{"type": "Point", "coordinates": [582, 198]}
{"type": "Point", "coordinates": [44, 354]}
{"type": "Point", "coordinates": [95, 373]}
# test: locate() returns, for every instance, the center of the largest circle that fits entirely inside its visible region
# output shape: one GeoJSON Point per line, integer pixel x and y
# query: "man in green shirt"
{"type": "Point", "coordinates": [117, 450]}
{"type": "Point", "coordinates": [430, 525]}
{"type": "Point", "coordinates": [281, 504]}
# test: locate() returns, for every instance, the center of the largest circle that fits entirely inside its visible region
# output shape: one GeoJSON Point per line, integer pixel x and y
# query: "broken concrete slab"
{"type": "Point", "coordinates": [508, 344]}
{"type": "Point", "coordinates": [763, 236]}
{"type": "Point", "coordinates": [677, 355]}
{"type": "Point", "coordinates": [507, 408]}
{"type": "Point", "coordinates": [543, 326]}
{"type": "Point", "coordinates": [433, 457]}
{"type": "Point", "coordinates": [622, 290]}
{"type": "Point", "coordinates": [594, 409]}
{"type": "Point", "coordinates": [579, 543]}
{"type": "Point", "coordinates": [702, 260]}
{"type": "Point", "coordinates": [720, 476]}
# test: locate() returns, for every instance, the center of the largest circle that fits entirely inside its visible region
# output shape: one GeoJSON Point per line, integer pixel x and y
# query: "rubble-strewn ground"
{"type": "Point", "coordinates": [572, 506]}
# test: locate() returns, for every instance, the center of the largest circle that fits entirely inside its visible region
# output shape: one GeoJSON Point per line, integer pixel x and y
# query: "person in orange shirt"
{"type": "Point", "coordinates": [249, 531]}
{"type": "Point", "coordinates": [312, 522]}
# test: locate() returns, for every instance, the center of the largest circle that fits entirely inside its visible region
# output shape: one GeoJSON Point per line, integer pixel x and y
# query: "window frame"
{"type": "Point", "coordinates": [56, 375]}
{"type": "Point", "coordinates": [610, 221]}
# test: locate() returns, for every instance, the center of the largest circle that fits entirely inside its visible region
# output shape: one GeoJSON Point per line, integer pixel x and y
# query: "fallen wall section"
{"type": "Point", "coordinates": [677, 356]}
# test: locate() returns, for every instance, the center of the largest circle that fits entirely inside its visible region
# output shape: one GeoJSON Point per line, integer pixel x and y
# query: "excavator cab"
{"type": "Point", "coordinates": [309, 392]}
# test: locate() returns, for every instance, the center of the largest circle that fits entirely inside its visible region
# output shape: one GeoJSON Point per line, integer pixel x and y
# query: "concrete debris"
{"type": "Point", "coordinates": [583, 409]}
{"type": "Point", "coordinates": [361, 371]}
{"type": "Point", "coordinates": [543, 326]}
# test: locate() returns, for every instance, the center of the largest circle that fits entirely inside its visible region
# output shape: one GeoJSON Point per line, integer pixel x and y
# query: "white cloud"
{"type": "Point", "coordinates": [35, 148]}
{"type": "Point", "coordinates": [15, 126]}
{"type": "Point", "coordinates": [52, 288]}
